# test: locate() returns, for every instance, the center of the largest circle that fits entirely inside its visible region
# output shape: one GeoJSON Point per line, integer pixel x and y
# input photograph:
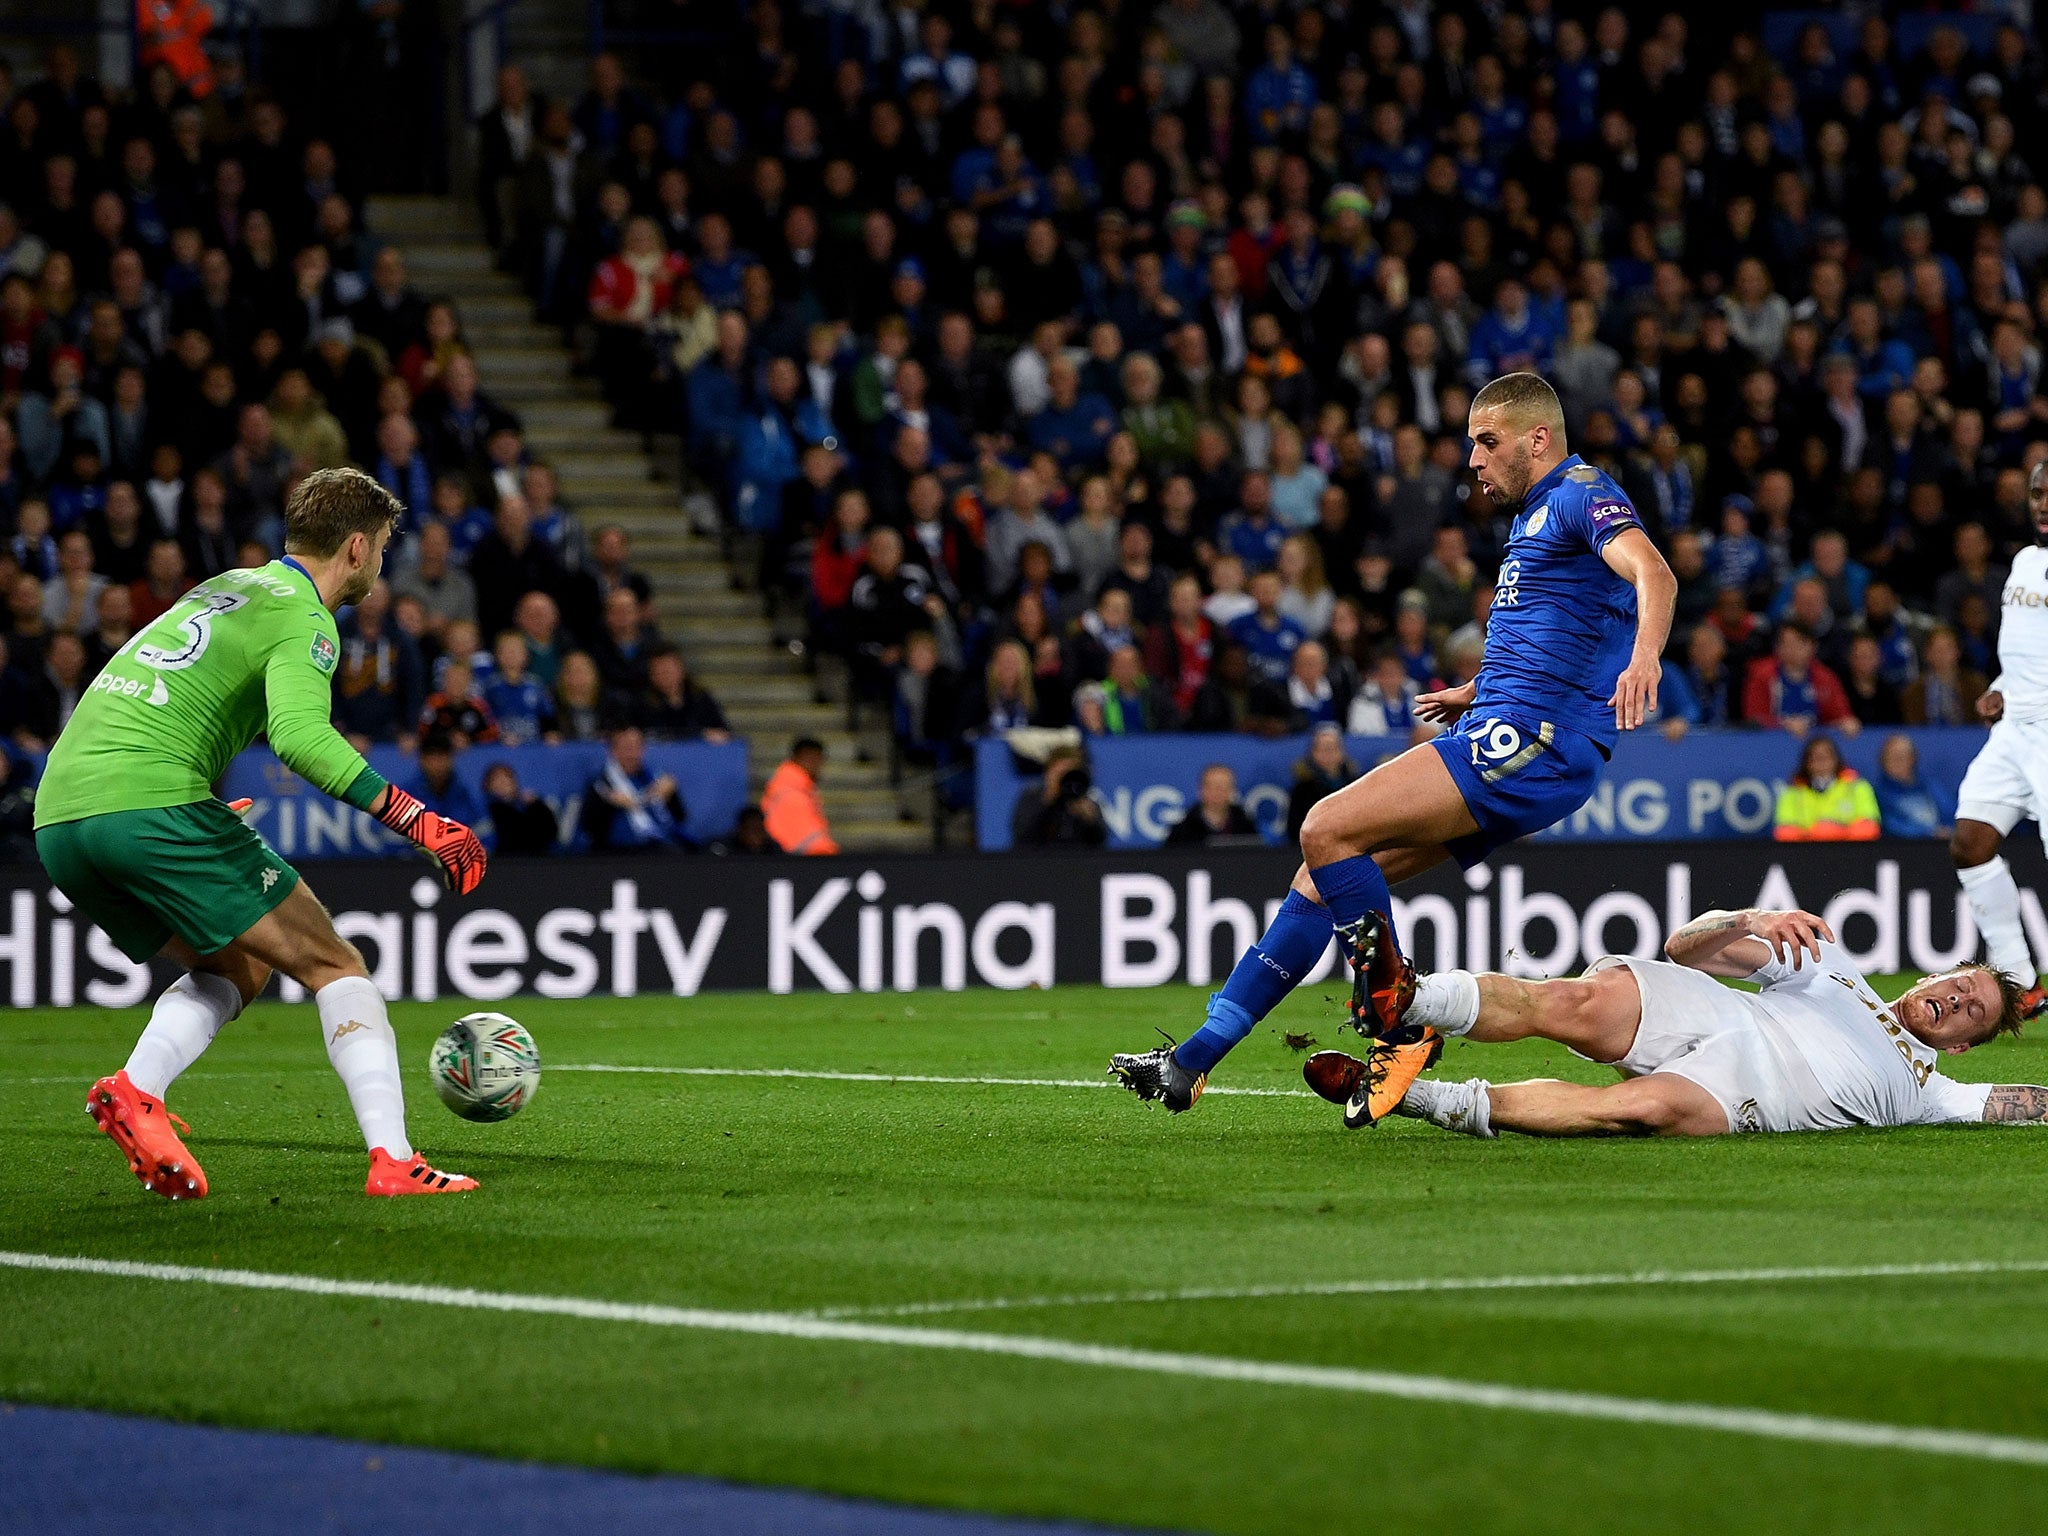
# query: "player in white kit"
{"type": "Point", "coordinates": [2008, 779]}
{"type": "Point", "coordinates": [1813, 1050]}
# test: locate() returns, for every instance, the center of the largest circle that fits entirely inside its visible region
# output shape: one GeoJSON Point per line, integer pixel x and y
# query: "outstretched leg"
{"type": "Point", "coordinates": [1994, 897]}
{"type": "Point", "coordinates": [1289, 950]}
{"type": "Point", "coordinates": [1661, 1104]}
{"type": "Point", "coordinates": [297, 937]}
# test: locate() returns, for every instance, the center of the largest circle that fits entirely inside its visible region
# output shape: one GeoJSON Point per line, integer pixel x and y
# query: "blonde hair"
{"type": "Point", "coordinates": [1027, 692]}
{"type": "Point", "coordinates": [1313, 577]}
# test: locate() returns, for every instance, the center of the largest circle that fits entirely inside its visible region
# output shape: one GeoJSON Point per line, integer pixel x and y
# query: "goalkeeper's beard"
{"type": "Point", "coordinates": [359, 587]}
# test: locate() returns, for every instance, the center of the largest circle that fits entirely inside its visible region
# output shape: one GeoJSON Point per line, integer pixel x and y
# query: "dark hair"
{"type": "Point", "coordinates": [805, 744]}
{"type": "Point", "coordinates": [436, 741]}
{"type": "Point", "coordinates": [330, 505]}
{"type": "Point", "coordinates": [1804, 776]}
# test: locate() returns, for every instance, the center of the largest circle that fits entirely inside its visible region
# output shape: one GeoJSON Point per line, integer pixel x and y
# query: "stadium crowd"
{"type": "Point", "coordinates": [192, 316]}
{"type": "Point", "coordinates": [1078, 365]}
{"type": "Point", "coordinates": [1109, 366]}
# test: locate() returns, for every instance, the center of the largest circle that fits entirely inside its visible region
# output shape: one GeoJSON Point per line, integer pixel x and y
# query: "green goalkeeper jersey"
{"type": "Point", "coordinates": [250, 652]}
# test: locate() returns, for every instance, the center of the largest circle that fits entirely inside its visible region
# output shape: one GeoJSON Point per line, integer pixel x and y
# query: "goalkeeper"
{"type": "Point", "coordinates": [129, 828]}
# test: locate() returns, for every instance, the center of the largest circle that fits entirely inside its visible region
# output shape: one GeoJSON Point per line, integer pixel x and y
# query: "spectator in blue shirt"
{"type": "Point", "coordinates": [769, 446]}
{"type": "Point", "coordinates": [937, 61]}
{"type": "Point", "coordinates": [1509, 338]}
{"type": "Point", "coordinates": [1738, 559]}
{"type": "Point", "coordinates": [1074, 427]}
{"type": "Point", "coordinates": [1184, 271]}
{"type": "Point", "coordinates": [1252, 533]}
{"type": "Point", "coordinates": [1883, 365]}
{"type": "Point", "coordinates": [466, 522]}
{"type": "Point", "coordinates": [1907, 804]}
{"type": "Point", "coordinates": [524, 710]}
{"type": "Point", "coordinates": [1268, 636]}
{"type": "Point", "coordinates": [1702, 688]}
{"type": "Point", "coordinates": [1392, 151]}
{"type": "Point", "coordinates": [718, 262]}
{"type": "Point", "coordinates": [1846, 580]}
{"type": "Point", "coordinates": [716, 393]}
{"type": "Point", "coordinates": [628, 807]}
{"type": "Point", "coordinates": [1577, 79]}
{"type": "Point", "coordinates": [1280, 93]}
{"type": "Point", "coordinates": [442, 792]}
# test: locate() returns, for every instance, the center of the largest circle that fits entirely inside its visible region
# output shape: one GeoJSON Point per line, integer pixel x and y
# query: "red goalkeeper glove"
{"type": "Point", "coordinates": [449, 844]}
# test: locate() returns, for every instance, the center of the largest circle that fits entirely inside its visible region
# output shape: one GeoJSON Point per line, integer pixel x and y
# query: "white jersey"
{"type": "Point", "coordinates": [1814, 1050]}
{"type": "Point", "coordinates": [2023, 637]}
{"type": "Point", "coordinates": [1873, 1070]}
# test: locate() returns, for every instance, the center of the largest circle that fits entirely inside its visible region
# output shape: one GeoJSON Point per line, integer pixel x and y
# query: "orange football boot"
{"type": "Point", "coordinates": [412, 1176]}
{"type": "Point", "coordinates": [1383, 983]}
{"type": "Point", "coordinates": [1371, 1089]}
{"type": "Point", "coordinates": [147, 1134]}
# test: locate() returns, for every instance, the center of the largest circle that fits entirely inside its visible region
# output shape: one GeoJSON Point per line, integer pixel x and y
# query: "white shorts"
{"type": "Point", "coordinates": [1696, 1028]}
{"type": "Point", "coordinates": [2008, 778]}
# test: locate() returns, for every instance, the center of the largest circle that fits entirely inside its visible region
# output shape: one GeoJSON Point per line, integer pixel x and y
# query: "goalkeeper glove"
{"type": "Point", "coordinates": [449, 844]}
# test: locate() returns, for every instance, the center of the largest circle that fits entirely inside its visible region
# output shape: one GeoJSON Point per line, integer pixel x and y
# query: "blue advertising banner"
{"type": "Point", "coordinates": [1710, 784]}
{"type": "Point", "coordinates": [302, 823]}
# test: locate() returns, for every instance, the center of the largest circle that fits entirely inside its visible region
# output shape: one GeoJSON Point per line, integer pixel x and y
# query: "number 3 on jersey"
{"type": "Point", "coordinates": [195, 632]}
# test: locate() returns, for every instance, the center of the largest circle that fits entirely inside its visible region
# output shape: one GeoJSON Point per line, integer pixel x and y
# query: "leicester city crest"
{"type": "Point", "coordinates": [1537, 520]}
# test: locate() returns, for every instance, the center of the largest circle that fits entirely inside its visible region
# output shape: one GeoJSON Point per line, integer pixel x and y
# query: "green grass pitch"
{"type": "Point", "coordinates": [791, 1194]}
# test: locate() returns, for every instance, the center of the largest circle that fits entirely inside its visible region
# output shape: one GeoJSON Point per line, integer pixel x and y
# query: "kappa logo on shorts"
{"type": "Point", "coordinates": [1748, 1117]}
{"type": "Point", "coordinates": [324, 653]}
{"type": "Point", "coordinates": [269, 878]}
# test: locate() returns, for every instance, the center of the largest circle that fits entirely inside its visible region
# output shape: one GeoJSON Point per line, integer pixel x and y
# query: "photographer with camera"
{"type": "Point", "coordinates": [1060, 813]}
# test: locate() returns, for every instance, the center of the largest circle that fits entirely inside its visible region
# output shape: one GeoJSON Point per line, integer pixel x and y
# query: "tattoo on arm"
{"type": "Point", "coordinates": [2016, 1104]}
{"type": "Point", "coordinates": [1709, 923]}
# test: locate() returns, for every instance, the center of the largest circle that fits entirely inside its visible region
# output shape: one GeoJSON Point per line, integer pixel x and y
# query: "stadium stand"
{"type": "Point", "coordinates": [884, 337]}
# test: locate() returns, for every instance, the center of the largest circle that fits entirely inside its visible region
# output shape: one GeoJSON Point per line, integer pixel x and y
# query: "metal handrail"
{"type": "Point", "coordinates": [485, 25]}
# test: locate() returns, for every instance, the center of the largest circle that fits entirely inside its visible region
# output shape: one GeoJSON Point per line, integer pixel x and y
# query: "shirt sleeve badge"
{"type": "Point", "coordinates": [324, 654]}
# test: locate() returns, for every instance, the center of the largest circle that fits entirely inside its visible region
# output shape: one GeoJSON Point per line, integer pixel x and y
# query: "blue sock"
{"type": "Point", "coordinates": [1353, 887]}
{"type": "Point", "coordinates": [1264, 974]}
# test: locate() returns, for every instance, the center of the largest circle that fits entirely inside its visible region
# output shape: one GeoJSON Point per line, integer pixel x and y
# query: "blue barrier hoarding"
{"type": "Point", "coordinates": [1709, 784]}
{"type": "Point", "coordinates": [302, 823]}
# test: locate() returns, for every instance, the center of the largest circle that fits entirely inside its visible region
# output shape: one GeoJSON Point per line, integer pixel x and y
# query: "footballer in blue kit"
{"type": "Point", "coordinates": [1581, 611]}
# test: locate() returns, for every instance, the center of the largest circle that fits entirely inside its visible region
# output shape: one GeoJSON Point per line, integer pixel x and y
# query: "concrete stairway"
{"type": "Point", "coordinates": [607, 476]}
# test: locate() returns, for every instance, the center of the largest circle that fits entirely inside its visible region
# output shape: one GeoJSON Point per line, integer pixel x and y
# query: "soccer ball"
{"type": "Point", "coordinates": [485, 1066]}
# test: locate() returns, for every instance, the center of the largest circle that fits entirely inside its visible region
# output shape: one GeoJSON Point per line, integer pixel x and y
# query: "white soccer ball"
{"type": "Point", "coordinates": [485, 1066]}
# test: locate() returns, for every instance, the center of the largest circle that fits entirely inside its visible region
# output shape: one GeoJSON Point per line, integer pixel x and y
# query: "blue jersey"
{"type": "Point", "coordinates": [1563, 624]}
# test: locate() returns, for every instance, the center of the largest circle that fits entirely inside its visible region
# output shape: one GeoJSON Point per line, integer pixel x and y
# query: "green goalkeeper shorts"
{"type": "Point", "coordinates": [197, 872]}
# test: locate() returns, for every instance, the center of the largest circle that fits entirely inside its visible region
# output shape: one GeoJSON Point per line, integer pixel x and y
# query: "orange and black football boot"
{"type": "Point", "coordinates": [147, 1134]}
{"type": "Point", "coordinates": [411, 1176]}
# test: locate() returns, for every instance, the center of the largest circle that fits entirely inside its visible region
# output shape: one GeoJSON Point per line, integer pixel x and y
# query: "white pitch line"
{"type": "Point", "coordinates": [1759, 1422]}
{"type": "Point", "coordinates": [906, 1077]}
{"type": "Point", "coordinates": [1454, 1283]}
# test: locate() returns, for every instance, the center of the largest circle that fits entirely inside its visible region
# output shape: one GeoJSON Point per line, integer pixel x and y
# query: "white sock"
{"type": "Point", "coordinates": [1454, 1106]}
{"type": "Point", "coordinates": [1995, 897]}
{"type": "Point", "coordinates": [1448, 1000]}
{"type": "Point", "coordinates": [364, 1051]}
{"type": "Point", "coordinates": [191, 1011]}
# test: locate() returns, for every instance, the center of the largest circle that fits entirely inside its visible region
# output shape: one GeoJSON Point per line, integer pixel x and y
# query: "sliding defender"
{"type": "Point", "coordinates": [128, 827]}
{"type": "Point", "coordinates": [1813, 1050]}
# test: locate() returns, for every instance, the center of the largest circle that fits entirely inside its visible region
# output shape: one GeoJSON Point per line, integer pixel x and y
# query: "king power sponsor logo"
{"type": "Point", "coordinates": [581, 927]}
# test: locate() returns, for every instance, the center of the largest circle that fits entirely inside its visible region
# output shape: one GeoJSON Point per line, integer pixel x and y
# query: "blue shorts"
{"type": "Point", "coordinates": [1518, 775]}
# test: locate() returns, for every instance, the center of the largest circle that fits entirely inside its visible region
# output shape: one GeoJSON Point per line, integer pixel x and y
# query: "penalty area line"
{"type": "Point", "coordinates": [1761, 1423]}
{"type": "Point", "coordinates": [906, 1077]}
{"type": "Point", "coordinates": [1455, 1283]}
